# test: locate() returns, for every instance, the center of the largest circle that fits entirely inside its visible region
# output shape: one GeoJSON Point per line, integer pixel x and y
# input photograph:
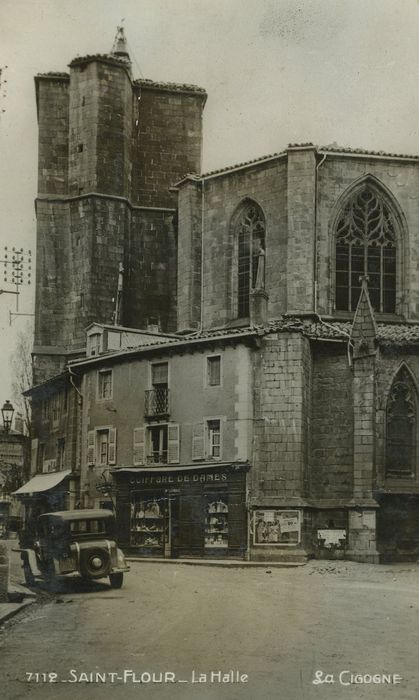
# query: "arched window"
{"type": "Point", "coordinates": [250, 228]}
{"type": "Point", "coordinates": [366, 245]}
{"type": "Point", "coordinates": [401, 427]}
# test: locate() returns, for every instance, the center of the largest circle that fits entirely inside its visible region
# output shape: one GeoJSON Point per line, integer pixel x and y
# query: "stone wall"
{"type": "Point", "coordinates": [281, 401]}
{"type": "Point", "coordinates": [53, 132]}
{"type": "Point", "coordinates": [301, 173]}
{"type": "Point", "coordinates": [189, 256]}
{"type": "Point", "coordinates": [127, 143]}
{"type": "Point", "coordinates": [398, 177]}
{"type": "Point", "coordinates": [220, 198]}
{"type": "Point", "coordinates": [167, 142]}
{"type": "Point", "coordinates": [331, 458]}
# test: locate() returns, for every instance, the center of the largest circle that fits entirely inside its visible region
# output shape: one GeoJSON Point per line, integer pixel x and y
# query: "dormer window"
{"type": "Point", "coordinates": [95, 344]}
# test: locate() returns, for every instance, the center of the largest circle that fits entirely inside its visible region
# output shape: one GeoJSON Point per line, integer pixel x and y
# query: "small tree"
{"type": "Point", "coordinates": [21, 365]}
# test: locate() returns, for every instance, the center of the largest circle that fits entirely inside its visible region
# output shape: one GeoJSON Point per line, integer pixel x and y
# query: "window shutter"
{"type": "Point", "coordinates": [173, 443]}
{"type": "Point", "coordinates": [138, 446]}
{"type": "Point", "coordinates": [198, 441]}
{"type": "Point", "coordinates": [34, 455]}
{"type": "Point", "coordinates": [112, 446]}
{"type": "Point", "coordinates": [91, 445]}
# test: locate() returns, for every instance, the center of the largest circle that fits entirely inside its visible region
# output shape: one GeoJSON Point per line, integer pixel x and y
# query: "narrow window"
{"type": "Point", "coordinates": [157, 444]}
{"type": "Point", "coordinates": [366, 245]}
{"type": "Point", "coordinates": [250, 241]}
{"type": "Point", "coordinates": [214, 438]}
{"type": "Point", "coordinates": [105, 384]}
{"type": "Point", "coordinates": [103, 446]}
{"type": "Point", "coordinates": [95, 344]}
{"type": "Point", "coordinates": [159, 373]}
{"type": "Point", "coordinates": [401, 428]}
{"type": "Point", "coordinates": [60, 454]}
{"type": "Point", "coordinates": [214, 370]}
{"type": "Point", "coordinates": [80, 148]}
{"type": "Point", "coordinates": [157, 398]}
{"type": "Point", "coordinates": [55, 409]}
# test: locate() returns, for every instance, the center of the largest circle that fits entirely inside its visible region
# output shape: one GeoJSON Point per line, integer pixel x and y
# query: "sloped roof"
{"type": "Point", "coordinates": [366, 152]}
{"type": "Point", "coordinates": [99, 57]}
{"type": "Point", "coordinates": [308, 145]}
{"type": "Point", "coordinates": [53, 74]}
{"type": "Point", "coordinates": [388, 334]}
{"type": "Point", "coordinates": [172, 87]}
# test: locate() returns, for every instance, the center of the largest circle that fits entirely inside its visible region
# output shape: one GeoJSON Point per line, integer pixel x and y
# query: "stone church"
{"type": "Point", "coordinates": [308, 257]}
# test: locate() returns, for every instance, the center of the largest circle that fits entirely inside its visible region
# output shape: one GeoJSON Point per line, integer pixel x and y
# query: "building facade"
{"type": "Point", "coordinates": [248, 386]}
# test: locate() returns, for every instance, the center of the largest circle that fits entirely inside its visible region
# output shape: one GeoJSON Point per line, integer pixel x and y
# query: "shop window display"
{"type": "Point", "coordinates": [148, 523]}
{"type": "Point", "coordinates": [276, 527]}
{"type": "Point", "coordinates": [216, 522]}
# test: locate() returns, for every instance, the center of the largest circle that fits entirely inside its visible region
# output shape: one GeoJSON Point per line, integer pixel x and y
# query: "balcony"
{"type": "Point", "coordinates": [157, 457]}
{"type": "Point", "coordinates": [157, 402]}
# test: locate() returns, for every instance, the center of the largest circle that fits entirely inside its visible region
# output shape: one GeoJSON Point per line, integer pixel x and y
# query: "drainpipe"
{"type": "Point", "coordinates": [315, 228]}
{"type": "Point", "coordinates": [80, 404]}
{"type": "Point", "coordinates": [201, 323]}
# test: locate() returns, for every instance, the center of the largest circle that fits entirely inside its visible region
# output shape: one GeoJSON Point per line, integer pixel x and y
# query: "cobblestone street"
{"type": "Point", "coordinates": [277, 626]}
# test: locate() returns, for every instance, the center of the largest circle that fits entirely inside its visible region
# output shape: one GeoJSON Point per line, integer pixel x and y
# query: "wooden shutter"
{"type": "Point", "coordinates": [138, 446]}
{"type": "Point", "coordinates": [198, 441]}
{"type": "Point", "coordinates": [173, 443]}
{"type": "Point", "coordinates": [112, 446]}
{"type": "Point", "coordinates": [91, 447]}
{"type": "Point", "coordinates": [34, 455]}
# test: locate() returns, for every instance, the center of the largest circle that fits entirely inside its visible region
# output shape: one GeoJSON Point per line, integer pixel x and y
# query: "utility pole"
{"type": "Point", "coordinates": [17, 267]}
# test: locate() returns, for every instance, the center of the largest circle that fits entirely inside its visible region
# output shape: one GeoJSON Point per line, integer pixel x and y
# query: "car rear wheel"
{"type": "Point", "coordinates": [116, 579]}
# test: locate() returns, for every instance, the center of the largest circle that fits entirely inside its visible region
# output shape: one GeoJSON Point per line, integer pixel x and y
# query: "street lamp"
{"type": "Point", "coordinates": [7, 412]}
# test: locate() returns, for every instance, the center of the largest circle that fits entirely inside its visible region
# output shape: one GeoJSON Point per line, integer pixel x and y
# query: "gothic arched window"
{"type": "Point", "coordinates": [401, 427]}
{"type": "Point", "coordinates": [366, 245]}
{"type": "Point", "coordinates": [250, 228]}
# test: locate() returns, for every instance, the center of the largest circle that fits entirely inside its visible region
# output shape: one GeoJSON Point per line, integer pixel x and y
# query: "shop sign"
{"type": "Point", "coordinates": [276, 527]}
{"type": "Point", "coordinates": [187, 478]}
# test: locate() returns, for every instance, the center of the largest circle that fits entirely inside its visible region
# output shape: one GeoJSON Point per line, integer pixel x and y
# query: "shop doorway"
{"type": "Point", "coordinates": [398, 528]}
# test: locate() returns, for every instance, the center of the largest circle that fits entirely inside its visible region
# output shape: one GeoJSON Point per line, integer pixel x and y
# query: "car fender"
{"type": "Point", "coordinates": [120, 559]}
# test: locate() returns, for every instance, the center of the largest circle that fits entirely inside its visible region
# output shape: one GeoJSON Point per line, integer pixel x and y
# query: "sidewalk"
{"type": "Point", "coordinates": [9, 610]}
{"type": "Point", "coordinates": [225, 563]}
{"type": "Point", "coordinates": [20, 596]}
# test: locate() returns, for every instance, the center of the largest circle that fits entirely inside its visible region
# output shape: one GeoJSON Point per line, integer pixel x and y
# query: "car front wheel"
{"type": "Point", "coordinates": [116, 579]}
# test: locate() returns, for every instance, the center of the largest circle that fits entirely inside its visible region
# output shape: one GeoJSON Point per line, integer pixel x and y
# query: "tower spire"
{"type": "Point", "coordinates": [119, 47]}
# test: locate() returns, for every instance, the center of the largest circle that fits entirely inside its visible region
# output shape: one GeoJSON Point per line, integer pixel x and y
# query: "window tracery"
{"type": "Point", "coordinates": [401, 428]}
{"type": "Point", "coordinates": [250, 229]}
{"type": "Point", "coordinates": [366, 246]}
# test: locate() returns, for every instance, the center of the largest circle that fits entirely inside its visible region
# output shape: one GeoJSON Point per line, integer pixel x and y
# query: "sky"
{"type": "Point", "coordinates": [276, 72]}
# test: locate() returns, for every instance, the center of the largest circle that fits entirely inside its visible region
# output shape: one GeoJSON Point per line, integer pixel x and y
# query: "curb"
{"type": "Point", "coordinates": [16, 608]}
{"type": "Point", "coordinates": [221, 564]}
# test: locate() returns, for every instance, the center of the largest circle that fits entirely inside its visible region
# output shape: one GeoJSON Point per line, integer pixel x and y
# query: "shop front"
{"type": "Point", "coordinates": [183, 511]}
{"type": "Point", "coordinates": [44, 493]}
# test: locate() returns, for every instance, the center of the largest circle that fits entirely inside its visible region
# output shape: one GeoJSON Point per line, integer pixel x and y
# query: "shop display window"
{"type": "Point", "coordinates": [216, 522]}
{"type": "Point", "coordinates": [148, 523]}
{"type": "Point", "coordinates": [276, 527]}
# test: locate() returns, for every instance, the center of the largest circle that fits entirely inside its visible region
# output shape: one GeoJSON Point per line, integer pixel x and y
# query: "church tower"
{"type": "Point", "coordinates": [110, 148]}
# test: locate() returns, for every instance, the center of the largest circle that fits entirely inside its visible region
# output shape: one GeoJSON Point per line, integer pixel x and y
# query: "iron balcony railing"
{"type": "Point", "coordinates": [157, 457]}
{"type": "Point", "coordinates": [157, 401]}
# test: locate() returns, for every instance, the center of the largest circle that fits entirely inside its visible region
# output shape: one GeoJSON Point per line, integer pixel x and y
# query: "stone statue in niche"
{"type": "Point", "coordinates": [260, 274]}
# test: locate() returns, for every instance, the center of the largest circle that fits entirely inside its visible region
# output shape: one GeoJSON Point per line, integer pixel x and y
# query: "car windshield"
{"type": "Point", "coordinates": [80, 527]}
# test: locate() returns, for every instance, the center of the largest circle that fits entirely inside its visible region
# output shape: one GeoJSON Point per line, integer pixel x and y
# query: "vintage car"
{"type": "Point", "coordinates": [75, 542]}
